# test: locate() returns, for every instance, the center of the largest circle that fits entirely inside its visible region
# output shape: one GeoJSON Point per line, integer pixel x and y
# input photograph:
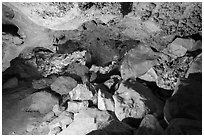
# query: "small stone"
{"type": "Point", "coordinates": [150, 75]}
{"type": "Point", "coordinates": [63, 85]}
{"type": "Point", "coordinates": [81, 92]}
{"type": "Point", "coordinates": [105, 101]}
{"type": "Point", "coordinates": [150, 126]}
{"type": "Point", "coordinates": [30, 128]}
{"type": "Point", "coordinates": [43, 128]}
{"type": "Point", "coordinates": [11, 83]}
{"type": "Point", "coordinates": [55, 131]}
{"type": "Point", "coordinates": [43, 83]}
{"type": "Point", "coordinates": [56, 110]}
{"type": "Point", "coordinates": [75, 107]}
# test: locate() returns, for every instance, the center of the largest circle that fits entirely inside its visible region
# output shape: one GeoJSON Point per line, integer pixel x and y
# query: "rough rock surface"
{"type": "Point", "coordinates": [150, 126]}
{"type": "Point", "coordinates": [186, 101]}
{"type": "Point", "coordinates": [133, 99]}
{"type": "Point", "coordinates": [40, 102]}
{"type": "Point", "coordinates": [63, 85]}
{"type": "Point", "coordinates": [43, 83]}
{"type": "Point", "coordinates": [75, 107]}
{"type": "Point", "coordinates": [182, 126]}
{"type": "Point", "coordinates": [137, 62]}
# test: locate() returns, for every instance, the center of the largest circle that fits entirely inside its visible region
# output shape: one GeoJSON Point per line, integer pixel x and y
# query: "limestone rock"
{"type": "Point", "coordinates": [75, 107]}
{"type": "Point", "coordinates": [133, 99]}
{"type": "Point", "coordinates": [186, 101]}
{"type": "Point", "coordinates": [150, 126]}
{"type": "Point", "coordinates": [49, 116]}
{"type": "Point", "coordinates": [81, 92]}
{"type": "Point", "coordinates": [56, 110]}
{"type": "Point", "coordinates": [105, 101]}
{"type": "Point", "coordinates": [11, 83]}
{"type": "Point", "coordinates": [40, 101]}
{"type": "Point", "coordinates": [182, 126]}
{"type": "Point", "coordinates": [137, 62]}
{"type": "Point", "coordinates": [63, 85]}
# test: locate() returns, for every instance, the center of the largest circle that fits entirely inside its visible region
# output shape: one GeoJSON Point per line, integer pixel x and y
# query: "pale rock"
{"type": "Point", "coordinates": [42, 102]}
{"type": "Point", "coordinates": [55, 131]}
{"type": "Point", "coordinates": [105, 101]}
{"type": "Point", "coordinates": [56, 110]}
{"type": "Point", "coordinates": [30, 128]}
{"type": "Point", "coordinates": [11, 83]}
{"type": "Point", "coordinates": [182, 126]}
{"type": "Point", "coordinates": [63, 85]}
{"type": "Point", "coordinates": [150, 75]}
{"type": "Point", "coordinates": [137, 62]}
{"type": "Point", "coordinates": [150, 126]}
{"type": "Point", "coordinates": [74, 106]}
{"type": "Point", "coordinates": [81, 92]}
{"type": "Point", "coordinates": [133, 99]}
{"type": "Point", "coordinates": [63, 120]}
{"type": "Point", "coordinates": [48, 116]}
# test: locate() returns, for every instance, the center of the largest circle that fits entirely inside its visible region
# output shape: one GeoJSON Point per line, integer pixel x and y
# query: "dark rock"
{"type": "Point", "coordinates": [11, 83]}
{"type": "Point", "coordinates": [150, 126]}
{"type": "Point", "coordinates": [186, 101]}
{"type": "Point", "coordinates": [43, 83]}
{"type": "Point", "coordinates": [182, 126]}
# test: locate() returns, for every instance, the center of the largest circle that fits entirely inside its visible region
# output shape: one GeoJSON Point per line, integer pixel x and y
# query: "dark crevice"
{"type": "Point", "coordinates": [11, 29]}
{"type": "Point", "coordinates": [126, 7]}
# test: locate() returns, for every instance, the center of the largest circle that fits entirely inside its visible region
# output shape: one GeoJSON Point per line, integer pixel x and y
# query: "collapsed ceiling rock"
{"type": "Point", "coordinates": [101, 67]}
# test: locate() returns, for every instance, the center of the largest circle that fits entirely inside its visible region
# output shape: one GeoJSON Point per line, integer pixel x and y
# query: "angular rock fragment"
{"type": "Point", "coordinates": [137, 62]}
{"type": "Point", "coordinates": [75, 107]}
{"type": "Point", "coordinates": [186, 101]}
{"type": "Point", "coordinates": [63, 85]}
{"type": "Point", "coordinates": [81, 92]}
{"type": "Point", "coordinates": [105, 101]}
{"type": "Point", "coordinates": [150, 75]}
{"type": "Point", "coordinates": [182, 126]}
{"type": "Point", "coordinates": [133, 99]}
{"type": "Point", "coordinates": [150, 126]}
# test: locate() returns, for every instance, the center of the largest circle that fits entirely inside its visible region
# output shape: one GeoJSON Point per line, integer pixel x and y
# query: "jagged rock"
{"type": "Point", "coordinates": [63, 85]}
{"type": "Point", "coordinates": [43, 83]}
{"type": "Point", "coordinates": [133, 99]}
{"type": "Point", "coordinates": [75, 107]}
{"type": "Point", "coordinates": [105, 100]}
{"type": "Point", "coordinates": [137, 62]}
{"type": "Point", "coordinates": [150, 126]}
{"type": "Point", "coordinates": [79, 70]}
{"type": "Point", "coordinates": [81, 92]}
{"type": "Point", "coordinates": [62, 121]}
{"type": "Point", "coordinates": [86, 121]}
{"type": "Point", "coordinates": [11, 83]}
{"type": "Point", "coordinates": [182, 126]}
{"type": "Point", "coordinates": [115, 127]}
{"type": "Point", "coordinates": [112, 82]}
{"type": "Point", "coordinates": [43, 128]}
{"type": "Point", "coordinates": [150, 75]}
{"type": "Point", "coordinates": [186, 101]}
{"type": "Point", "coordinates": [196, 66]}
{"type": "Point", "coordinates": [55, 131]}
{"type": "Point", "coordinates": [42, 102]}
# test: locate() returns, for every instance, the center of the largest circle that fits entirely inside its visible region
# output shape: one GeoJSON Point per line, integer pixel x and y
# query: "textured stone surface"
{"type": "Point", "coordinates": [133, 99]}
{"type": "Point", "coordinates": [75, 107]}
{"type": "Point", "coordinates": [63, 85]}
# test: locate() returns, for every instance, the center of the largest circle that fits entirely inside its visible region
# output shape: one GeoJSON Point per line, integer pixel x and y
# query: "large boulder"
{"type": "Point", "coordinates": [133, 99]}
{"type": "Point", "coordinates": [63, 85]}
{"type": "Point", "coordinates": [186, 101]}
{"type": "Point", "coordinates": [137, 62]}
{"type": "Point", "coordinates": [182, 126]}
{"type": "Point", "coordinates": [42, 102]}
